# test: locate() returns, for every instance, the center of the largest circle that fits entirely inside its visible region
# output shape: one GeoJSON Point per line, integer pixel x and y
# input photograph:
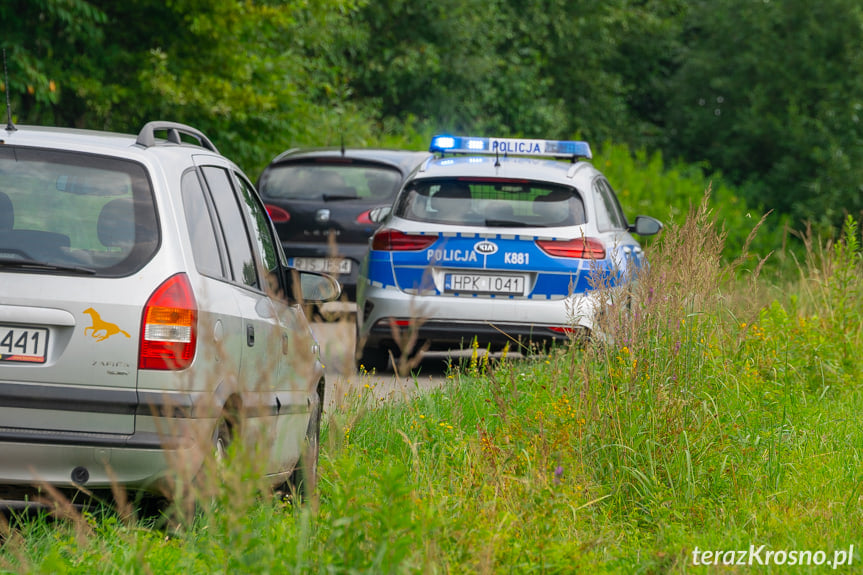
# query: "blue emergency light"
{"type": "Point", "coordinates": [510, 147]}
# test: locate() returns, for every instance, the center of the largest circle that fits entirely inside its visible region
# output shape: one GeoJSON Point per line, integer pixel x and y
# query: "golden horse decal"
{"type": "Point", "coordinates": [101, 329]}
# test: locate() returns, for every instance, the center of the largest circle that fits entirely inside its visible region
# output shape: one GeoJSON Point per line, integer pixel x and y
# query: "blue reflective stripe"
{"type": "Point", "coordinates": [381, 269]}
{"type": "Point", "coordinates": [556, 277]}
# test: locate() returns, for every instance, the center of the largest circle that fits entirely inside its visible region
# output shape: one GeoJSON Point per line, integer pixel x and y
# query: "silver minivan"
{"type": "Point", "coordinates": [147, 313]}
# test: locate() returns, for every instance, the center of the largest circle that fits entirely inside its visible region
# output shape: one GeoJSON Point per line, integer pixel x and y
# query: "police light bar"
{"type": "Point", "coordinates": [510, 147]}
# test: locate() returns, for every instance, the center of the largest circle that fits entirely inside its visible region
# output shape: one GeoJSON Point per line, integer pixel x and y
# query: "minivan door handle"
{"type": "Point", "coordinates": [250, 335]}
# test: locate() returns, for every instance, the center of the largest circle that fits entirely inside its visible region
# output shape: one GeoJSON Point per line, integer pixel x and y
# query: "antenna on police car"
{"type": "Point", "coordinates": [10, 127]}
{"type": "Point", "coordinates": [342, 139]}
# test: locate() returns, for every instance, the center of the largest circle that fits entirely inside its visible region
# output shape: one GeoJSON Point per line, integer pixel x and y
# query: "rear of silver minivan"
{"type": "Point", "coordinates": [117, 354]}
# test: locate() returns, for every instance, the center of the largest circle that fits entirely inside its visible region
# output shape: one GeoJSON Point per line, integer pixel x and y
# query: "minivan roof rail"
{"type": "Point", "coordinates": [147, 135]}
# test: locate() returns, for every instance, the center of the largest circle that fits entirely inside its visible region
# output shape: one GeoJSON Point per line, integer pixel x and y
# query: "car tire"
{"type": "Point", "coordinates": [222, 437]}
{"type": "Point", "coordinates": [373, 359]}
{"type": "Point", "coordinates": [304, 478]}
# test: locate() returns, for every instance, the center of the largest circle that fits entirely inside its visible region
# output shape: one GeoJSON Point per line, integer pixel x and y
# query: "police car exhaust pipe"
{"type": "Point", "coordinates": [80, 475]}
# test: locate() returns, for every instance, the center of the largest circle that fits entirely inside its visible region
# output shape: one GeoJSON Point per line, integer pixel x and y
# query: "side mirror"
{"type": "Point", "coordinates": [646, 226]}
{"type": "Point", "coordinates": [319, 287]}
{"type": "Point", "coordinates": [377, 215]}
{"type": "Point", "coordinates": [312, 287]}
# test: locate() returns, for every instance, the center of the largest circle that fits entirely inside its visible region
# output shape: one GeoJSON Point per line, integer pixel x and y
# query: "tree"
{"type": "Point", "coordinates": [256, 76]}
{"type": "Point", "coordinates": [543, 69]}
{"type": "Point", "coordinates": [771, 93]}
{"type": "Point", "coordinates": [44, 41]}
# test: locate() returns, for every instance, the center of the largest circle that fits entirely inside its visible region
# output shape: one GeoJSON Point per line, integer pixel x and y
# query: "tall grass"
{"type": "Point", "coordinates": [717, 412]}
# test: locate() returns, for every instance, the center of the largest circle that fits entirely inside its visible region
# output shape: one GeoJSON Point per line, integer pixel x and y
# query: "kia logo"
{"type": "Point", "coordinates": [485, 248]}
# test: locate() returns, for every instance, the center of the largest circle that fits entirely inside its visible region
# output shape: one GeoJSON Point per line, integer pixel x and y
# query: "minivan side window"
{"type": "Point", "coordinates": [260, 225]}
{"type": "Point", "coordinates": [240, 254]}
{"type": "Point", "coordinates": [205, 248]}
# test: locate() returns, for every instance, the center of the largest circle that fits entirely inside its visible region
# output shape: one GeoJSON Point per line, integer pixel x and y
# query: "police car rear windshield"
{"type": "Point", "coordinates": [330, 182]}
{"type": "Point", "coordinates": [491, 203]}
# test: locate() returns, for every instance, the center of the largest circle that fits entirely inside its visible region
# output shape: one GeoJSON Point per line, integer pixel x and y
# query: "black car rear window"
{"type": "Point", "coordinates": [491, 202]}
{"type": "Point", "coordinates": [330, 182]}
{"type": "Point", "coordinates": [76, 211]}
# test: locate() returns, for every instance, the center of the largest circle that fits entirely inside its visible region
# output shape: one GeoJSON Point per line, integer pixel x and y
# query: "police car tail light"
{"type": "Point", "coordinates": [392, 322]}
{"type": "Point", "coordinates": [579, 248]}
{"type": "Point", "coordinates": [169, 326]}
{"type": "Point", "coordinates": [277, 214]}
{"type": "Point", "coordinates": [396, 241]}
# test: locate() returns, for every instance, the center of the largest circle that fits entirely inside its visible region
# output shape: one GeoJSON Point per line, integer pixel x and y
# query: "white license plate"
{"type": "Point", "coordinates": [327, 265]}
{"type": "Point", "coordinates": [25, 344]}
{"type": "Point", "coordinates": [484, 284]}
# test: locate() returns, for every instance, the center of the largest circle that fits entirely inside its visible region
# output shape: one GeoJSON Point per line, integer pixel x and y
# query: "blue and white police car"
{"type": "Point", "coordinates": [495, 239]}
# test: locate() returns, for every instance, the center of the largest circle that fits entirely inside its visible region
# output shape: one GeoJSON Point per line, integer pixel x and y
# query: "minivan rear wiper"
{"type": "Point", "coordinates": [19, 264]}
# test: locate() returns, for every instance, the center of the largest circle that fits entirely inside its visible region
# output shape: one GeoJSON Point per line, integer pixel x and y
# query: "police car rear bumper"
{"type": "Point", "coordinates": [446, 322]}
{"type": "Point", "coordinates": [442, 335]}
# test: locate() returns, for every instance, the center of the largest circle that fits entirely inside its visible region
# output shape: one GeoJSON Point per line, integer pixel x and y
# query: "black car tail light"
{"type": "Point", "coordinates": [277, 214]}
{"type": "Point", "coordinates": [365, 218]}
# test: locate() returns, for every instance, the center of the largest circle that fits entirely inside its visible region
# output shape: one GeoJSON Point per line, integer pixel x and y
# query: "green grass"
{"type": "Point", "coordinates": [723, 411]}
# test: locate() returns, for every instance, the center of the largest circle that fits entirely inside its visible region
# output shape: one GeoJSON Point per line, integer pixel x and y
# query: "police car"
{"type": "Point", "coordinates": [496, 239]}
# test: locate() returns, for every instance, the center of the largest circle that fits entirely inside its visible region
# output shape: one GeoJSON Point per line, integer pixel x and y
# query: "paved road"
{"type": "Point", "coordinates": [337, 341]}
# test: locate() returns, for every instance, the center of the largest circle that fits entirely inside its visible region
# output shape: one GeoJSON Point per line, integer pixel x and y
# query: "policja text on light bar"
{"type": "Point", "coordinates": [510, 146]}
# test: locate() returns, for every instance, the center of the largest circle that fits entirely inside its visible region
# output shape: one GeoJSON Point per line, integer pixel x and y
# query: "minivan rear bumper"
{"type": "Point", "coordinates": [93, 462]}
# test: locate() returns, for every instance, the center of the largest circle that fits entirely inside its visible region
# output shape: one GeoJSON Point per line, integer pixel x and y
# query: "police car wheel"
{"type": "Point", "coordinates": [374, 359]}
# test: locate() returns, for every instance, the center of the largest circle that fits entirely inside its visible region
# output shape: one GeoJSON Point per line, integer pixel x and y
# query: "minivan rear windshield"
{"type": "Point", "coordinates": [330, 182]}
{"type": "Point", "coordinates": [491, 202]}
{"type": "Point", "coordinates": [75, 211]}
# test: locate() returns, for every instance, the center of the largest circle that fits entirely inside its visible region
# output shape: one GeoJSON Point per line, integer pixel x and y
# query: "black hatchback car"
{"type": "Point", "coordinates": [320, 198]}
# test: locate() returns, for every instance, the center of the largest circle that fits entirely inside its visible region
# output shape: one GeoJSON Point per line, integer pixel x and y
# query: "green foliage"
{"type": "Point", "coordinates": [43, 40]}
{"type": "Point", "coordinates": [256, 76]}
{"type": "Point", "coordinates": [647, 185]}
{"type": "Point", "coordinates": [514, 67]}
{"type": "Point", "coordinates": [771, 94]}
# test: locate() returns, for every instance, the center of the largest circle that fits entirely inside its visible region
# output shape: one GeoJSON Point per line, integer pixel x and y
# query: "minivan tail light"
{"type": "Point", "coordinates": [277, 214]}
{"type": "Point", "coordinates": [579, 248]}
{"type": "Point", "coordinates": [396, 241]}
{"type": "Point", "coordinates": [169, 327]}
